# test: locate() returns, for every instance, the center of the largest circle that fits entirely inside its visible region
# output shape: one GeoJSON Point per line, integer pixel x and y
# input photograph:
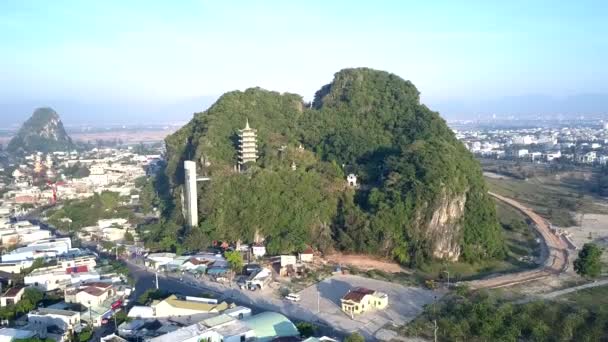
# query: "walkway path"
{"type": "Point", "coordinates": [556, 260]}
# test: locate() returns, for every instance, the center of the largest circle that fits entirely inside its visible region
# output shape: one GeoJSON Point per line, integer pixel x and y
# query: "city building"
{"type": "Point", "coordinates": [268, 326]}
{"type": "Point", "coordinates": [12, 295]}
{"type": "Point", "coordinates": [43, 318]}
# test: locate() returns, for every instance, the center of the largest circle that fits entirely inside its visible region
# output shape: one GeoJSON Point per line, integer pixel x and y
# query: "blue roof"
{"type": "Point", "coordinates": [270, 325]}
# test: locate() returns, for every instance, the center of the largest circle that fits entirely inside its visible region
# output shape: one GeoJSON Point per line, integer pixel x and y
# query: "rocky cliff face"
{"type": "Point", "coordinates": [444, 229]}
{"type": "Point", "coordinates": [43, 132]}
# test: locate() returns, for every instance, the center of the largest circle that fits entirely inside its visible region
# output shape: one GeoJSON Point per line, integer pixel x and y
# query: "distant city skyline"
{"type": "Point", "coordinates": [110, 61]}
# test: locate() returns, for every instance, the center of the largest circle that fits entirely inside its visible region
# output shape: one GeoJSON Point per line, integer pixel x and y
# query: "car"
{"type": "Point", "coordinates": [252, 268]}
{"type": "Point", "coordinates": [293, 297]}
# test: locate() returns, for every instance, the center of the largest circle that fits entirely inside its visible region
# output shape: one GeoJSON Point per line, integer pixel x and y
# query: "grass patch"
{"type": "Point", "coordinates": [552, 201]}
{"type": "Point", "coordinates": [595, 297]}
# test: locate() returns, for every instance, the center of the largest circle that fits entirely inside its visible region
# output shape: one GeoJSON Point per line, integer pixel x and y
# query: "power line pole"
{"type": "Point", "coordinates": [318, 300]}
{"type": "Point", "coordinates": [156, 273]}
{"type": "Point", "coordinates": [435, 329]}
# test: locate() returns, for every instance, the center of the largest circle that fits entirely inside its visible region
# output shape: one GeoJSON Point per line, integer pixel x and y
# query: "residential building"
{"type": "Point", "coordinates": [12, 295]}
{"type": "Point", "coordinates": [269, 325]}
{"type": "Point", "coordinates": [42, 318]}
{"type": "Point", "coordinates": [89, 294]}
{"type": "Point", "coordinates": [360, 300]}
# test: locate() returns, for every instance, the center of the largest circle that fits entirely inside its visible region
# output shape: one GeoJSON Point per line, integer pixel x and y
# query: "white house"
{"type": "Point", "coordinates": [258, 250]}
{"type": "Point", "coordinates": [42, 318]}
{"type": "Point", "coordinates": [12, 296]}
{"type": "Point", "coordinates": [352, 180]}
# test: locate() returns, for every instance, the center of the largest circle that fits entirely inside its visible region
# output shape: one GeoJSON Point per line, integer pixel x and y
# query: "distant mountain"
{"type": "Point", "coordinates": [43, 132]}
{"type": "Point", "coordinates": [109, 111]}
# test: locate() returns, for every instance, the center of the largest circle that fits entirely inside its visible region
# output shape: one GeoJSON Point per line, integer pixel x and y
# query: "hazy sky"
{"type": "Point", "coordinates": [141, 57]}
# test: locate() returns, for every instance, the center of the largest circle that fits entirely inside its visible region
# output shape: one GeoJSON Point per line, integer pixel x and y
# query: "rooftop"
{"type": "Point", "coordinates": [357, 294]}
{"type": "Point", "coordinates": [57, 312]}
{"type": "Point", "coordinates": [14, 291]}
{"type": "Point", "coordinates": [269, 325]}
{"type": "Point", "coordinates": [176, 302]}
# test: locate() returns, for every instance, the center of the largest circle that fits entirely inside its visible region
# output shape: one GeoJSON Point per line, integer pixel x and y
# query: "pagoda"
{"type": "Point", "coordinates": [248, 151]}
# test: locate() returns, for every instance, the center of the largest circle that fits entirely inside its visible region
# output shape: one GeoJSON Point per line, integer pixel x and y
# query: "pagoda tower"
{"type": "Point", "coordinates": [248, 150]}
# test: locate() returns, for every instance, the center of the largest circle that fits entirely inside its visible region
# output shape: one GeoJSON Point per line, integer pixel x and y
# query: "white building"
{"type": "Point", "coordinates": [42, 318]}
{"type": "Point", "coordinates": [45, 248]}
{"type": "Point", "coordinates": [352, 180]}
{"type": "Point", "coordinates": [191, 196]}
{"type": "Point", "coordinates": [222, 328]}
{"type": "Point", "coordinates": [258, 250]}
{"type": "Point", "coordinates": [157, 260]}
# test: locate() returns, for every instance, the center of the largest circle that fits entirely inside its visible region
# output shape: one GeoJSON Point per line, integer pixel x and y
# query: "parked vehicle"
{"type": "Point", "coordinates": [252, 269]}
{"type": "Point", "coordinates": [293, 297]}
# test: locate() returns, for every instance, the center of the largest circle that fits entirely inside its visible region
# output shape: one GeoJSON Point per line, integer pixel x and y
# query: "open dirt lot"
{"type": "Point", "coordinates": [365, 262]}
{"type": "Point", "coordinates": [594, 228]}
{"type": "Point", "coordinates": [405, 303]}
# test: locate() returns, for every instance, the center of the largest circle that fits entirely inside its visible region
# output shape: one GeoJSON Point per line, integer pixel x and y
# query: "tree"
{"type": "Point", "coordinates": [235, 260]}
{"type": "Point", "coordinates": [85, 335]}
{"type": "Point", "coordinates": [306, 329]}
{"type": "Point", "coordinates": [354, 337]}
{"type": "Point", "coordinates": [129, 237]}
{"type": "Point", "coordinates": [588, 263]}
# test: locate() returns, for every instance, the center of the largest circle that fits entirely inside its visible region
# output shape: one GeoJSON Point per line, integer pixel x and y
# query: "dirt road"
{"type": "Point", "coordinates": [556, 260]}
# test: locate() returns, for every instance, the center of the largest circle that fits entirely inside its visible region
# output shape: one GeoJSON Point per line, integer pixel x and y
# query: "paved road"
{"type": "Point", "coordinates": [556, 259]}
{"type": "Point", "coordinates": [258, 301]}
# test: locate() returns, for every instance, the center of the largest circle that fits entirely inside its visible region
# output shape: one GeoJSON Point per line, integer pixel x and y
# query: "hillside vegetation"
{"type": "Point", "coordinates": [43, 132]}
{"type": "Point", "coordinates": [421, 194]}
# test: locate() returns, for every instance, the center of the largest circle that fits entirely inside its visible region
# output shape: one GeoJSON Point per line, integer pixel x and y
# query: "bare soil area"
{"type": "Point", "coordinates": [366, 262]}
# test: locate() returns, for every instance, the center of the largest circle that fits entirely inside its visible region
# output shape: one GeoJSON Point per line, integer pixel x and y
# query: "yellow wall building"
{"type": "Point", "coordinates": [360, 300]}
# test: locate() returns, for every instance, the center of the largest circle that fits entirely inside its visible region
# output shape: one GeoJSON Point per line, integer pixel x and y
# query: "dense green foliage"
{"type": "Point", "coordinates": [43, 132]}
{"type": "Point", "coordinates": [306, 329]}
{"type": "Point", "coordinates": [480, 317]}
{"type": "Point", "coordinates": [76, 214]}
{"type": "Point", "coordinates": [29, 301]}
{"type": "Point", "coordinates": [354, 337]}
{"type": "Point", "coordinates": [235, 260]}
{"type": "Point", "coordinates": [366, 122]}
{"type": "Point", "coordinates": [589, 262]}
{"type": "Point", "coordinates": [149, 295]}
{"type": "Point", "coordinates": [76, 171]}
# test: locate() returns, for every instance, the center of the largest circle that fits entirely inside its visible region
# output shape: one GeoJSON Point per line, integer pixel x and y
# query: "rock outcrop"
{"type": "Point", "coordinates": [420, 193]}
{"type": "Point", "coordinates": [42, 132]}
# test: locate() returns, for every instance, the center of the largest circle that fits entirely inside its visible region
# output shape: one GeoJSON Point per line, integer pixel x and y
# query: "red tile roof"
{"type": "Point", "coordinates": [12, 292]}
{"type": "Point", "coordinates": [357, 294]}
{"type": "Point", "coordinates": [99, 284]}
{"type": "Point", "coordinates": [94, 291]}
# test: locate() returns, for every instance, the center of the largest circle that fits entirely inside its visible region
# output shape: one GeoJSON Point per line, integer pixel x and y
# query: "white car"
{"type": "Point", "coordinates": [293, 297]}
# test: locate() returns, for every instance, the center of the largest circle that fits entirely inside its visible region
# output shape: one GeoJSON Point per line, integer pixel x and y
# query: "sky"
{"type": "Point", "coordinates": [160, 61]}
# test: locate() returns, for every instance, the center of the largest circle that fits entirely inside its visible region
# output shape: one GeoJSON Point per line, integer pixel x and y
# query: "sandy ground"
{"type": "Point", "coordinates": [594, 228]}
{"type": "Point", "coordinates": [365, 262]}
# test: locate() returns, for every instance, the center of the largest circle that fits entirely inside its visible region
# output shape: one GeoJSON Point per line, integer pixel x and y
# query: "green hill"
{"type": "Point", "coordinates": [421, 193]}
{"type": "Point", "coordinates": [42, 132]}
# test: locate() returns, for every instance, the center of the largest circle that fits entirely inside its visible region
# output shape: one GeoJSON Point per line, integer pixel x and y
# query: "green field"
{"type": "Point", "coordinates": [589, 298]}
{"type": "Point", "coordinates": [554, 198]}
